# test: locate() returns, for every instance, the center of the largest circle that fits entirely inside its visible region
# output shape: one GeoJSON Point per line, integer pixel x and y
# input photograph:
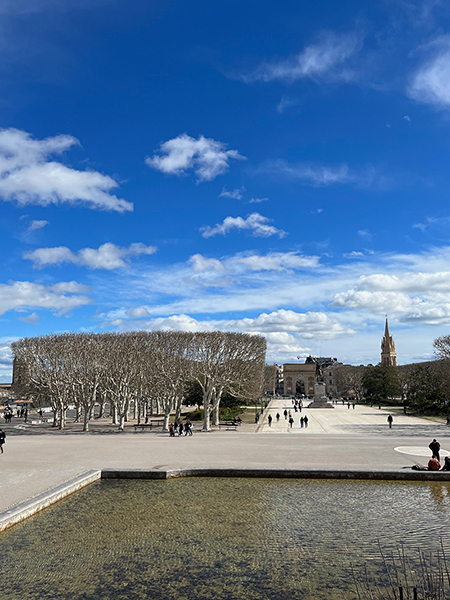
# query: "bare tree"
{"type": "Point", "coordinates": [226, 361]}
{"type": "Point", "coordinates": [348, 380]}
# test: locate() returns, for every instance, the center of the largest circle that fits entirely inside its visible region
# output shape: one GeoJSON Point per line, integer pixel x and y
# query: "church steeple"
{"type": "Point", "coordinates": [388, 354]}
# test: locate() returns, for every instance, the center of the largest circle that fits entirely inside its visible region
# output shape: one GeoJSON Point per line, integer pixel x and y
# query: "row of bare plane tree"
{"type": "Point", "coordinates": [125, 370]}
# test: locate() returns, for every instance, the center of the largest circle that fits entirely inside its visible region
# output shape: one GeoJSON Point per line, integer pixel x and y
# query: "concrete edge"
{"type": "Point", "coordinates": [30, 507]}
{"type": "Point", "coordinates": [373, 474]}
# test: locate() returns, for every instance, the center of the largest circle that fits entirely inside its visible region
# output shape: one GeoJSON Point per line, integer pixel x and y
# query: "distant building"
{"type": "Point", "coordinates": [388, 354]}
{"type": "Point", "coordinates": [300, 378]}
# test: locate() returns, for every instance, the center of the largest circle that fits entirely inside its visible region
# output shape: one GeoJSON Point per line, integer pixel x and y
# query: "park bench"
{"type": "Point", "coordinates": [152, 423]}
{"type": "Point", "coordinates": [229, 425]}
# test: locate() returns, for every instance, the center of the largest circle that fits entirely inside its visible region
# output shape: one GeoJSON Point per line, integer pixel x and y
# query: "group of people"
{"type": "Point", "coordinates": [288, 416]}
{"type": "Point", "coordinates": [8, 414]}
{"type": "Point", "coordinates": [178, 428]}
{"type": "Point", "coordinates": [434, 464]}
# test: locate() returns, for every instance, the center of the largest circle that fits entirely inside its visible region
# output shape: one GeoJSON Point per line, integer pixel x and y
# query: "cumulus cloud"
{"type": "Point", "coordinates": [285, 330]}
{"type": "Point", "coordinates": [410, 296]}
{"type": "Point", "coordinates": [256, 223]}
{"type": "Point", "coordinates": [61, 297]}
{"type": "Point", "coordinates": [107, 256]}
{"type": "Point", "coordinates": [201, 264]}
{"type": "Point", "coordinates": [322, 60]}
{"type": "Point", "coordinates": [430, 84]}
{"type": "Point", "coordinates": [28, 175]}
{"type": "Point", "coordinates": [207, 157]}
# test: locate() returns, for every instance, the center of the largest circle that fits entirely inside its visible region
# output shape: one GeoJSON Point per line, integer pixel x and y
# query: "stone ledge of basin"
{"type": "Point", "coordinates": [281, 473]}
{"type": "Point", "coordinates": [134, 474]}
{"type": "Point", "coordinates": [376, 474]}
{"type": "Point", "coordinates": [30, 507]}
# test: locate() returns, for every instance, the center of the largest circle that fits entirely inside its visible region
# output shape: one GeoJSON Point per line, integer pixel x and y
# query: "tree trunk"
{"type": "Point", "coordinates": [101, 413]}
{"type": "Point", "coordinates": [122, 422]}
{"type": "Point", "coordinates": [215, 414]}
{"type": "Point", "coordinates": [166, 420]}
{"type": "Point", "coordinates": [114, 415]}
{"type": "Point", "coordinates": [178, 412]}
{"type": "Point", "coordinates": [77, 413]}
{"type": "Point", "coordinates": [86, 420]}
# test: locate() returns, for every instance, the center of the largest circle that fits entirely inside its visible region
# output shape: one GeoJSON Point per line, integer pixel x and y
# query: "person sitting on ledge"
{"type": "Point", "coordinates": [434, 464]}
{"type": "Point", "coordinates": [446, 465]}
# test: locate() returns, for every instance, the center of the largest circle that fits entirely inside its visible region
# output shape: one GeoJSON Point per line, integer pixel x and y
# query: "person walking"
{"type": "Point", "coordinates": [305, 418]}
{"type": "Point", "coordinates": [390, 420]}
{"type": "Point", "coordinates": [291, 421]}
{"type": "Point", "coordinates": [180, 429]}
{"type": "Point", "coordinates": [2, 440]}
{"type": "Point", "coordinates": [278, 417]}
{"type": "Point", "coordinates": [435, 447]}
{"type": "Point", "coordinates": [269, 419]}
{"type": "Point", "coordinates": [302, 421]}
{"type": "Point", "coordinates": [285, 413]}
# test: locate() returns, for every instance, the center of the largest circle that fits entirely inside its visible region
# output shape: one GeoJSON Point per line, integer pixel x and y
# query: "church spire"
{"type": "Point", "coordinates": [388, 354]}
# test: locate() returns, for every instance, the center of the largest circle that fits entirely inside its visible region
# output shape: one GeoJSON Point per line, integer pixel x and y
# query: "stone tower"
{"type": "Point", "coordinates": [388, 354]}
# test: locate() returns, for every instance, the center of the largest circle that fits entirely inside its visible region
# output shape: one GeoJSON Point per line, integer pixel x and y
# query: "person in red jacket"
{"type": "Point", "coordinates": [434, 464]}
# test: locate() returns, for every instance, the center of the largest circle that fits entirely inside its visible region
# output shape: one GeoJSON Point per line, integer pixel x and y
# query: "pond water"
{"type": "Point", "coordinates": [187, 539]}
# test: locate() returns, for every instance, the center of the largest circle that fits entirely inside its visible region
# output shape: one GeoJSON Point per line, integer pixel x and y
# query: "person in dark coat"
{"type": "Point", "coordinates": [390, 420]}
{"type": "Point", "coordinates": [269, 419]}
{"type": "Point", "coordinates": [435, 447]}
{"type": "Point", "coordinates": [2, 440]}
{"type": "Point", "coordinates": [446, 466]}
{"type": "Point", "coordinates": [278, 417]}
{"type": "Point", "coordinates": [285, 413]}
{"type": "Point", "coordinates": [305, 418]}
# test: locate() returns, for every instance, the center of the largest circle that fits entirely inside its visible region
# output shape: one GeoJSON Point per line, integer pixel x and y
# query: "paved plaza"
{"type": "Point", "coordinates": [36, 460]}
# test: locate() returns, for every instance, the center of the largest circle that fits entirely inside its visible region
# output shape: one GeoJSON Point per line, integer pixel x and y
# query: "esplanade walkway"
{"type": "Point", "coordinates": [341, 438]}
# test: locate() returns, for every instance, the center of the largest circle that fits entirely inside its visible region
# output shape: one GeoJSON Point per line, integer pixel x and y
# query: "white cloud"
{"type": "Point", "coordinates": [354, 254]}
{"type": "Point", "coordinates": [24, 294]}
{"type": "Point", "coordinates": [319, 175]}
{"type": "Point", "coordinates": [200, 264]}
{"type": "Point", "coordinates": [107, 256]}
{"type": "Point", "coordinates": [284, 103]}
{"type": "Point", "coordinates": [274, 261]}
{"type": "Point", "coordinates": [207, 157]}
{"type": "Point", "coordinates": [258, 200]}
{"type": "Point", "coordinates": [255, 222]}
{"type": "Point", "coordinates": [32, 319]}
{"type": "Point", "coordinates": [317, 61]}
{"type": "Point", "coordinates": [431, 82]}
{"type": "Point", "coordinates": [35, 225]}
{"type": "Point", "coordinates": [234, 194]}
{"type": "Point", "coordinates": [29, 176]}
{"type": "Point", "coordinates": [285, 330]}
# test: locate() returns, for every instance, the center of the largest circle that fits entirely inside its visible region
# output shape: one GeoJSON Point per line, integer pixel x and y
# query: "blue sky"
{"type": "Point", "coordinates": [276, 168]}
